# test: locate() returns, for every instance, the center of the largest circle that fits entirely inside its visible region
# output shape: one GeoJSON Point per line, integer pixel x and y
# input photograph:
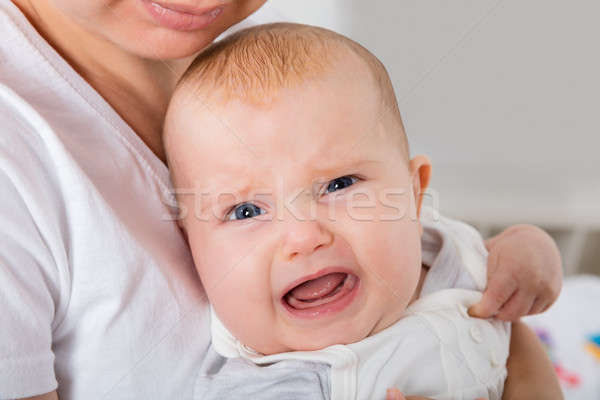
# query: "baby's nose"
{"type": "Point", "coordinates": [304, 238]}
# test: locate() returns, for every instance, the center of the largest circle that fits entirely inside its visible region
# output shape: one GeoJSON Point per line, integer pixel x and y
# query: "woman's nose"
{"type": "Point", "coordinates": [304, 238]}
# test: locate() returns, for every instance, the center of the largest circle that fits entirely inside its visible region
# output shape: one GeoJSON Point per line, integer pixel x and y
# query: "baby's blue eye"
{"type": "Point", "coordinates": [340, 183]}
{"type": "Point", "coordinates": [245, 210]}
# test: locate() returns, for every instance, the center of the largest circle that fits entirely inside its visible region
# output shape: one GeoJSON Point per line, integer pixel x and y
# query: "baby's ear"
{"type": "Point", "coordinates": [420, 172]}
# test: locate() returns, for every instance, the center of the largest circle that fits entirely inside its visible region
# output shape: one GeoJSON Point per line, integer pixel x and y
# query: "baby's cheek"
{"type": "Point", "coordinates": [232, 279]}
{"type": "Point", "coordinates": [212, 269]}
{"type": "Point", "coordinates": [223, 258]}
{"type": "Point", "coordinates": [396, 256]}
{"type": "Point", "coordinates": [242, 297]}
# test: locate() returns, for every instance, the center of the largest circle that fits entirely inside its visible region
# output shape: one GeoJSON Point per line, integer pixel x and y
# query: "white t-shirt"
{"type": "Point", "coordinates": [97, 286]}
{"type": "Point", "coordinates": [435, 350]}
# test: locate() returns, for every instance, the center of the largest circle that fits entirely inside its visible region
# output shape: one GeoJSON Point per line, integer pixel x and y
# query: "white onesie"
{"type": "Point", "coordinates": [436, 350]}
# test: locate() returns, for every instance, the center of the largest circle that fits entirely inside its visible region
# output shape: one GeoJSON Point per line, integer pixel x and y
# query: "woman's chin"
{"type": "Point", "coordinates": [161, 44]}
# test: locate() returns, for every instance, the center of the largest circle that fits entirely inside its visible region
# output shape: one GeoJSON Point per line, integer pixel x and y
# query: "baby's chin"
{"type": "Point", "coordinates": [309, 344]}
{"type": "Point", "coordinates": [344, 331]}
{"type": "Point", "coordinates": [316, 340]}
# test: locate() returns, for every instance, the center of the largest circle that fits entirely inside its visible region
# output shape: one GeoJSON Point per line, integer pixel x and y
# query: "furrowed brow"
{"type": "Point", "coordinates": [342, 167]}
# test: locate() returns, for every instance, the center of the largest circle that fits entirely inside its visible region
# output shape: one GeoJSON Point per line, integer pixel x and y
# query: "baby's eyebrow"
{"type": "Point", "coordinates": [339, 167]}
{"type": "Point", "coordinates": [230, 194]}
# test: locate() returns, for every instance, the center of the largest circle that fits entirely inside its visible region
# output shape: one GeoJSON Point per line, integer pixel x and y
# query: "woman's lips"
{"type": "Point", "coordinates": [182, 17]}
{"type": "Point", "coordinates": [325, 293]}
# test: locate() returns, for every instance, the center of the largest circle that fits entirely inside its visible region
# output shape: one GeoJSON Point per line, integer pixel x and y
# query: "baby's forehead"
{"type": "Point", "coordinates": [305, 127]}
{"type": "Point", "coordinates": [298, 141]}
{"type": "Point", "coordinates": [330, 109]}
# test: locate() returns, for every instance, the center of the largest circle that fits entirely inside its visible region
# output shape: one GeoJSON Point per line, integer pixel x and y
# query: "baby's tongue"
{"type": "Point", "coordinates": [317, 288]}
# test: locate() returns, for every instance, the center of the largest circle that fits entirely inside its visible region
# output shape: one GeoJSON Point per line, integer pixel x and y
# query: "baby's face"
{"type": "Point", "coordinates": [302, 223]}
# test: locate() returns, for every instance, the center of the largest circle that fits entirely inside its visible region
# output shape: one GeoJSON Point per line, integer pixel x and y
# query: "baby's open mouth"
{"type": "Point", "coordinates": [320, 291]}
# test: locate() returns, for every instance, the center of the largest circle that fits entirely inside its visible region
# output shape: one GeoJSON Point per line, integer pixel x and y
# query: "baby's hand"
{"type": "Point", "coordinates": [524, 274]}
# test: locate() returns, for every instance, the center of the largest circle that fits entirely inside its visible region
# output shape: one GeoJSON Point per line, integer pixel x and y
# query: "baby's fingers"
{"type": "Point", "coordinates": [500, 289]}
{"type": "Point", "coordinates": [519, 305]}
{"type": "Point", "coordinates": [539, 306]}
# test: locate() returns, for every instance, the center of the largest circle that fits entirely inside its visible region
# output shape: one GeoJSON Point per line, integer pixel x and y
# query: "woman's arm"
{"type": "Point", "coordinates": [530, 372]}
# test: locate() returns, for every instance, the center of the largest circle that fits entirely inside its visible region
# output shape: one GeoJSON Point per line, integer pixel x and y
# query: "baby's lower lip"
{"type": "Point", "coordinates": [337, 301]}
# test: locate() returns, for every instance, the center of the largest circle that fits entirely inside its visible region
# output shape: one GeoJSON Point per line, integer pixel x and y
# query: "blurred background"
{"type": "Point", "coordinates": [504, 96]}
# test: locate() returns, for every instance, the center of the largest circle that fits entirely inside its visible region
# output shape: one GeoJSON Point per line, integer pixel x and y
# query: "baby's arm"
{"type": "Point", "coordinates": [524, 274]}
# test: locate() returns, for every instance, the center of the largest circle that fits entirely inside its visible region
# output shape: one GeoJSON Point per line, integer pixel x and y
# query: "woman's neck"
{"type": "Point", "coordinates": [138, 88]}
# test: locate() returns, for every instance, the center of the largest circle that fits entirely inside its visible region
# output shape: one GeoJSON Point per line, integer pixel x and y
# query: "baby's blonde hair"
{"type": "Point", "coordinates": [254, 63]}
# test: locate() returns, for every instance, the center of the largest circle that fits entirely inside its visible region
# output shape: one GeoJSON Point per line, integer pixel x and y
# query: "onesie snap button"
{"type": "Point", "coordinates": [475, 334]}
{"type": "Point", "coordinates": [494, 359]}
